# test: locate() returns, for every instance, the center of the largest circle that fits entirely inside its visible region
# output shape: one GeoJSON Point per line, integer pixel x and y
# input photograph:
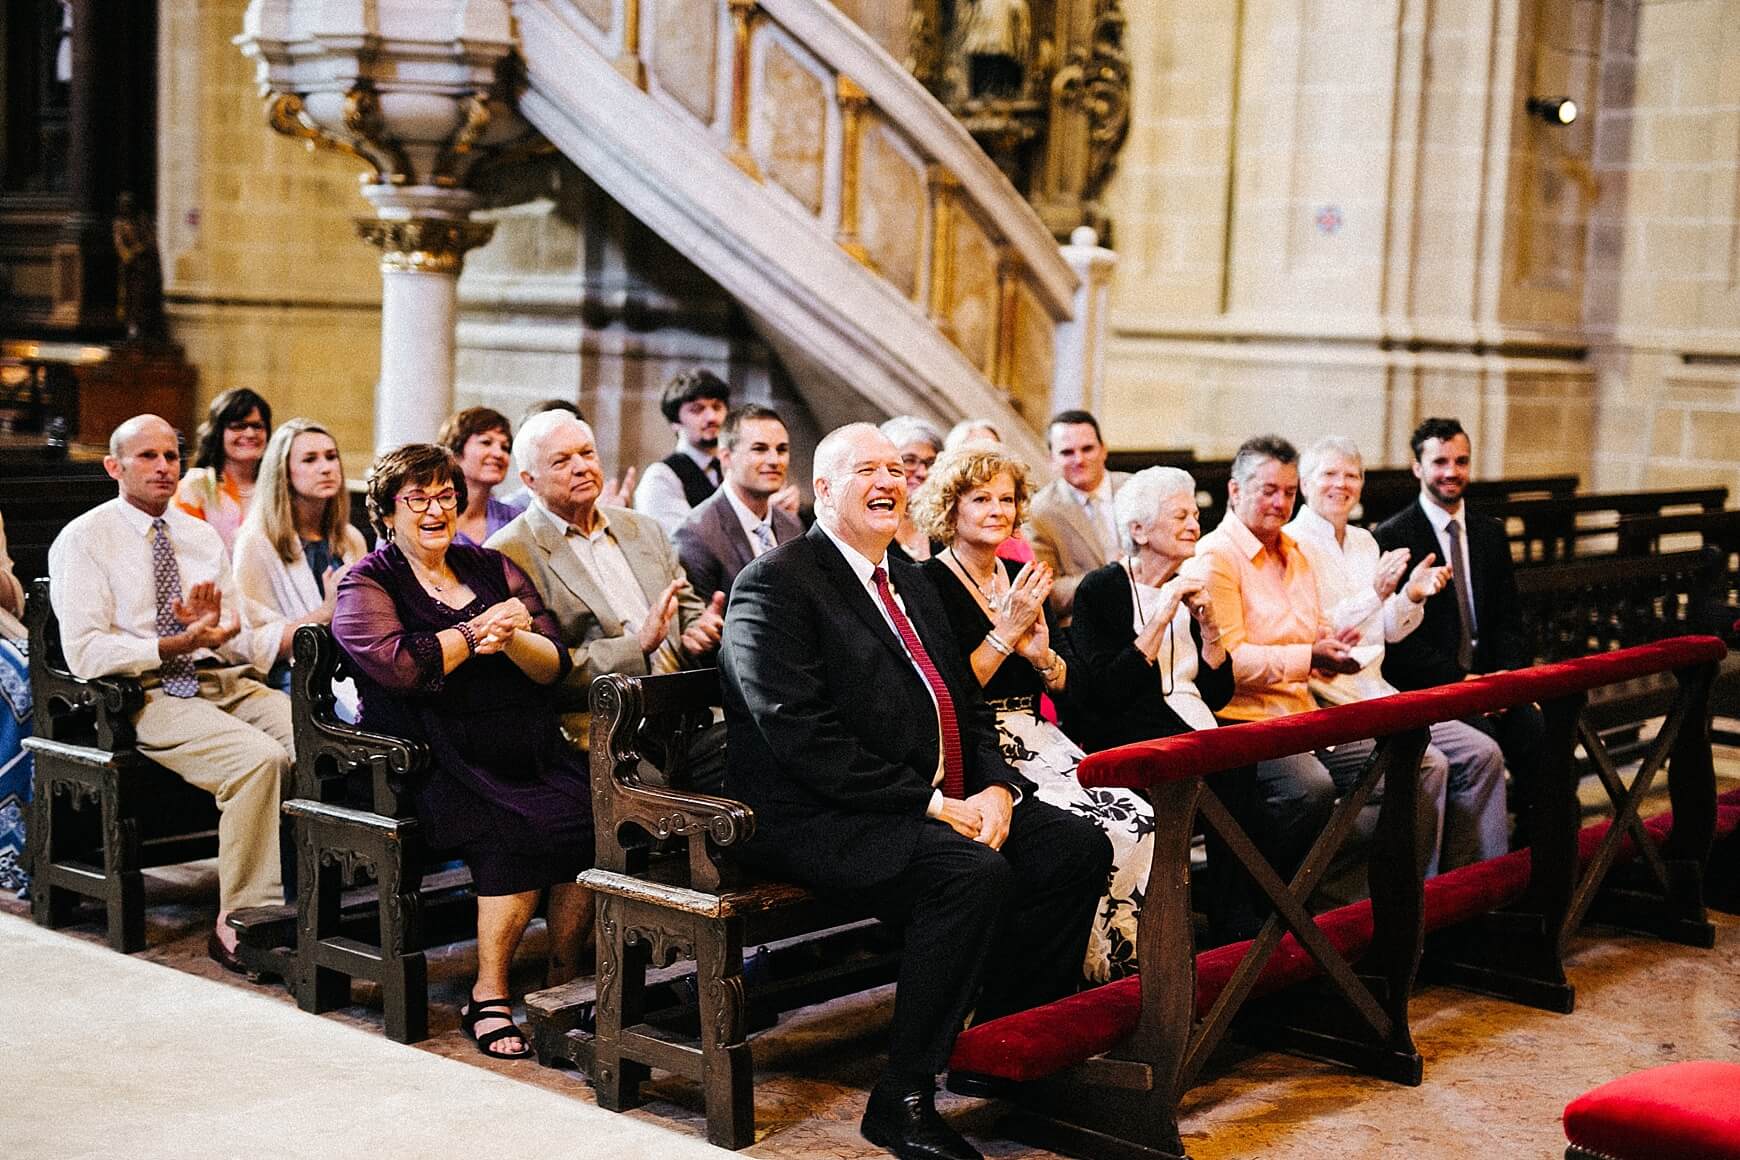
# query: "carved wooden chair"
{"type": "Point", "coordinates": [100, 812]}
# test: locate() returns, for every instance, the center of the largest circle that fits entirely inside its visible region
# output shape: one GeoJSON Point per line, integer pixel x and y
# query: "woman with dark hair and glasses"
{"type": "Point", "coordinates": [453, 647]}
{"type": "Point", "coordinates": [220, 487]}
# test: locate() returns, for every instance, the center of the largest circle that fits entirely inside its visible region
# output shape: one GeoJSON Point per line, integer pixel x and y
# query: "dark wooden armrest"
{"type": "Point", "coordinates": [69, 708]}
{"type": "Point", "coordinates": [330, 751]}
{"type": "Point", "coordinates": [638, 720]}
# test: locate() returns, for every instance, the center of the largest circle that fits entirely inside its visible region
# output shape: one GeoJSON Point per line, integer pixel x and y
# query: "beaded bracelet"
{"type": "Point", "coordinates": [470, 636]}
{"type": "Point", "coordinates": [996, 642]}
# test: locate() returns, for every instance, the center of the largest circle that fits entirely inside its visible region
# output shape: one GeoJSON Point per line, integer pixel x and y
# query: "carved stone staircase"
{"type": "Point", "coordinates": [791, 159]}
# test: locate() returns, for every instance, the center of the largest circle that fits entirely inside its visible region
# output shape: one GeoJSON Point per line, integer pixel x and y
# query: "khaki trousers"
{"type": "Point", "coordinates": [234, 741]}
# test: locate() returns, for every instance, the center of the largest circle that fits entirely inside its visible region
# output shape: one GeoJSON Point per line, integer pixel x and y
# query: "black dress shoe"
{"type": "Point", "coordinates": [222, 955]}
{"type": "Point", "coordinates": [907, 1124]}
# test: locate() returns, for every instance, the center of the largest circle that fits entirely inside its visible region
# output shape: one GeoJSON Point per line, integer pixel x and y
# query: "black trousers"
{"type": "Point", "coordinates": [991, 931]}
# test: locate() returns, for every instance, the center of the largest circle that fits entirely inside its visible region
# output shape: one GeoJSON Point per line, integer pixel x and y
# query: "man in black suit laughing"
{"type": "Point", "coordinates": [1473, 626]}
{"type": "Point", "coordinates": [861, 741]}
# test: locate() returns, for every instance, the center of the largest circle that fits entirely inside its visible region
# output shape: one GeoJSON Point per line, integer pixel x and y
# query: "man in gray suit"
{"type": "Point", "coordinates": [1070, 521]}
{"type": "Point", "coordinates": [607, 574]}
{"type": "Point", "coordinates": [739, 522]}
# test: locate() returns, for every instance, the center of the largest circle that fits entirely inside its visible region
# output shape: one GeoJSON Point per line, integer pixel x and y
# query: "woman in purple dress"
{"type": "Point", "coordinates": [453, 647]}
{"type": "Point", "coordinates": [482, 442]}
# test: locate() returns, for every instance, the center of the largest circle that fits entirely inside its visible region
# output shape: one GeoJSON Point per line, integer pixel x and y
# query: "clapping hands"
{"type": "Point", "coordinates": [201, 614]}
{"type": "Point", "coordinates": [702, 637]}
{"type": "Point", "coordinates": [495, 626]}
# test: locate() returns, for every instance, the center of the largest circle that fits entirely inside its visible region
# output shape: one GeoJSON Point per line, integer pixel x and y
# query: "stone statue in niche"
{"type": "Point", "coordinates": [995, 36]}
{"type": "Point", "coordinates": [138, 273]}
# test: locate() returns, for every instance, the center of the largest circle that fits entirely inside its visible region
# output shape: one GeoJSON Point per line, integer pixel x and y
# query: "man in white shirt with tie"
{"type": "Point", "coordinates": [1473, 626]}
{"type": "Point", "coordinates": [142, 589]}
{"type": "Point", "coordinates": [1070, 521]}
{"type": "Point", "coordinates": [740, 521]}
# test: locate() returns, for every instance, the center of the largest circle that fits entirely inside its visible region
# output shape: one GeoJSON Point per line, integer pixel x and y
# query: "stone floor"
{"type": "Point", "coordinates": [1497, 1075]}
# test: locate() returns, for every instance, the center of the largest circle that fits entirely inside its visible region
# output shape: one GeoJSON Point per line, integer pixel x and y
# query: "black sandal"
{"type": "Point", "coordinates": [477, 1011]}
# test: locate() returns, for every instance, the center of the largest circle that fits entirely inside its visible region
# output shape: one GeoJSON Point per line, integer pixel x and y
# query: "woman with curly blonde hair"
{"type": "Point", "coordinates": [972, 502]}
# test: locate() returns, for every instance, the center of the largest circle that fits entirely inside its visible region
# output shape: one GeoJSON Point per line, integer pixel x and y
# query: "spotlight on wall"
{"type": "Point", "coordinates": [1558, 111]}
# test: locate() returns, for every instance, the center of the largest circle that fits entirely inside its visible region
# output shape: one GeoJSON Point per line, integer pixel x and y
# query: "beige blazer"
{"type": "Point", "coordinates": [1061, 536]}
{"type": "Point", "coordinates": [595, 638]}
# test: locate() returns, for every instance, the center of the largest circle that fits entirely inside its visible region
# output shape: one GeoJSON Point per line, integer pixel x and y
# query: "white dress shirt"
{"type": "Point", "coordinates": [607, 564]}
{"type": "Point", "coordinates": [1440, 521]}
{"type": "Point", "coordinates": [1345, 574]}
{"type": "Point", "coordinates": [105, 596]}
{"type": "Point", "coordinates": [660, 493]}
{"type": "Point", "coordinates": [751, 522]}
{"type": "Point", "coordinates": [862, 568]}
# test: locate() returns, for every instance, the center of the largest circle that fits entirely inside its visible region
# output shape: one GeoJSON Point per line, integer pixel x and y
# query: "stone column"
{"type": "Point", "coordinates": [1081, 342]}
{"type": "Point", "coordinates": [423, 236]}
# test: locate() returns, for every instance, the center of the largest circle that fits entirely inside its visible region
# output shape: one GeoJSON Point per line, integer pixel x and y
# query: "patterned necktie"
{"type": "Point", "coordinates": [1464, 598]}
{"type": "Point", "coordinates": [954, 772]}
{"type": "Point", "coordinates": [176, 672]}
{"type": "Point", "coordinates": [764, 536]}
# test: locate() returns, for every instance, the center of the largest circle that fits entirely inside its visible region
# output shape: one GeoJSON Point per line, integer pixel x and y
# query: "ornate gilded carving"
{"type": "Point", "coordinates": [1008, 303]}
{"type": "Point", "coordinates": [629, 62]}
{"type": "Point", "coordinates": [464, 137]}
{"type": "Point", "coordinates": [853, 101]}
{"type": "Point", "coordinates": [943, 185]}
{"type": "Point", "coordinates": [428, 245]}
{"type": "Point", "coordinates": [1095, 79]}
{"type": "Point", "coordinates": [287, 114]}
{"type": "Point", "coordinates": [742, 15]}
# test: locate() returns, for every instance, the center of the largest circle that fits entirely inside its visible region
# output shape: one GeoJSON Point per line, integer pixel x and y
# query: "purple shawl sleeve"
{"type": "Point", "coordinates": [367, 625]}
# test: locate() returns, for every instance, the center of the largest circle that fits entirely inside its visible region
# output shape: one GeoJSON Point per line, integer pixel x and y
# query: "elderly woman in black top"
{"type": "Point", "coordinates": [1151, 663]}
{"type": "Point", "coordinates": [453, 647]}
{"type": "Point", "coordinates": [972, 502]}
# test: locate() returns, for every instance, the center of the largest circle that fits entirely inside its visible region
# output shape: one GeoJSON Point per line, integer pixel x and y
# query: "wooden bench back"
{"type": "Point", "coordinates": [97, 712]}
{"type": "Point", "coordinates": [1590, 606]}
{"type": "Point", "coordinates": [642, 730]}
{"type": "Point", "coordinates": [1546, 531]}
{"type": "Point", "coordinates": [337, 762]}
{"type": "Point", "coordinates": [39, 502]}
{"type": "Point", "coordinates": [1720, 531]}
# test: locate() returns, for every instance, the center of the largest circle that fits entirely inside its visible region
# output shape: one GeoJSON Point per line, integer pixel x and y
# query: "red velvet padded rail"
{"type": "Point", "coordinates": [1683, 1111]}
{"type": "Point", "coordinates": [1211, 750]}
{"type": "Point", "coordinates": [1031, 1045]}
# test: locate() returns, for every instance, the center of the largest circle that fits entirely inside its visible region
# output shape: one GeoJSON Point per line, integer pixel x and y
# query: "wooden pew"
{"type": "Point", "coordinates": [1102, 1072]}
{"type": "Point", "coordinates": [39, 499]}
{"type": "Point", "coordinates": [100, 811]}
{"type": "Point", "coordinates": [1547, 531]}
{"type": "Point", "coordinates": [1388, 490]}
{"type": "Point", "coordinates": [690, 902]}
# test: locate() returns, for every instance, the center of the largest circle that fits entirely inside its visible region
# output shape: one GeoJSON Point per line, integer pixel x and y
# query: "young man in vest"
{"type": "Point", "coordinates": [694, 403]}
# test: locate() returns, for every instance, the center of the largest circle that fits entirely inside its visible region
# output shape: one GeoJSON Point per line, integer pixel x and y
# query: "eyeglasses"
{"type": "Point", "coordinates": [419, 503]}
{"type": "Point", "coordinates": [242, 425]}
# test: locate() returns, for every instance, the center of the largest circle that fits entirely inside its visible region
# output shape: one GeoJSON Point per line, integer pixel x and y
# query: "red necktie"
{"type": "Point", "coordinates": [954, 783]}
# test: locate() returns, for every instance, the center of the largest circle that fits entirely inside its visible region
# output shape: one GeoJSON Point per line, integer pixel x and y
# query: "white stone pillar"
{"type": "Point", "coordinates": [1081, 342]}
{"type": "Point", "coordinates": [423, 236]}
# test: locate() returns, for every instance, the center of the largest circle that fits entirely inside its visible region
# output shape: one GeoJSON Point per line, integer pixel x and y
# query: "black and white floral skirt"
{"type": "Point", "coordinates": [1042, 753]}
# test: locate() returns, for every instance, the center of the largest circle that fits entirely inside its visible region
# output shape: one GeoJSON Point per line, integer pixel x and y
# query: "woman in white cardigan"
{"type": "Point", "coordinates": [297, 541]}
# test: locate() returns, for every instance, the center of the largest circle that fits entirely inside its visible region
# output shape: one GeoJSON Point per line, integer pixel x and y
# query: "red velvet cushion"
{"type": "Point", "coordinates": [1031, 1045]}
{"type": "Point", "coordinates": [1212, 750]}
{"type": "Point", "coordinates": [1684, 1111]}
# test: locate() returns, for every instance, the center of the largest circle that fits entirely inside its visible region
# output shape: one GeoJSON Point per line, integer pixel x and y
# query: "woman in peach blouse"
{"type": "Point", "coordinates": [226, 465]}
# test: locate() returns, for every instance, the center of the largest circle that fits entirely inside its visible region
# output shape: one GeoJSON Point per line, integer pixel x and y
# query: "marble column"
{"type": "Point", "coordinates": [423, 235]}
{"type": "Point", "coordinates": [1081, 341]}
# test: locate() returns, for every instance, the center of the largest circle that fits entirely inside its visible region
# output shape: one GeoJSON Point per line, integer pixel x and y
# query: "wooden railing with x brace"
{"type": "Point", "coordinates": [1104, 1069]}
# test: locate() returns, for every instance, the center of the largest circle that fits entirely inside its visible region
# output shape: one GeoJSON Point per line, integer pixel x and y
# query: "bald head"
{"type": "Point", "coordinates": [145, 459]}
{"type": "Point", "coordinates": [860, 487]}
{"type": "Point", "coordinates": [132, 428]}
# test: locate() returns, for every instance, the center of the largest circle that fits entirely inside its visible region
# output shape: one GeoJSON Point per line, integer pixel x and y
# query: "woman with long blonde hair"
{"type": "Point", "coordinates": [297, 541]}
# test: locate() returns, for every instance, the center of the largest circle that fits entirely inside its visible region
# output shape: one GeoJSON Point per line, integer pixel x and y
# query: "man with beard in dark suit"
{"type": "Point", "coordinates": [1473, 626]}
{"type": "Point", "coordinates": [860, 739]}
